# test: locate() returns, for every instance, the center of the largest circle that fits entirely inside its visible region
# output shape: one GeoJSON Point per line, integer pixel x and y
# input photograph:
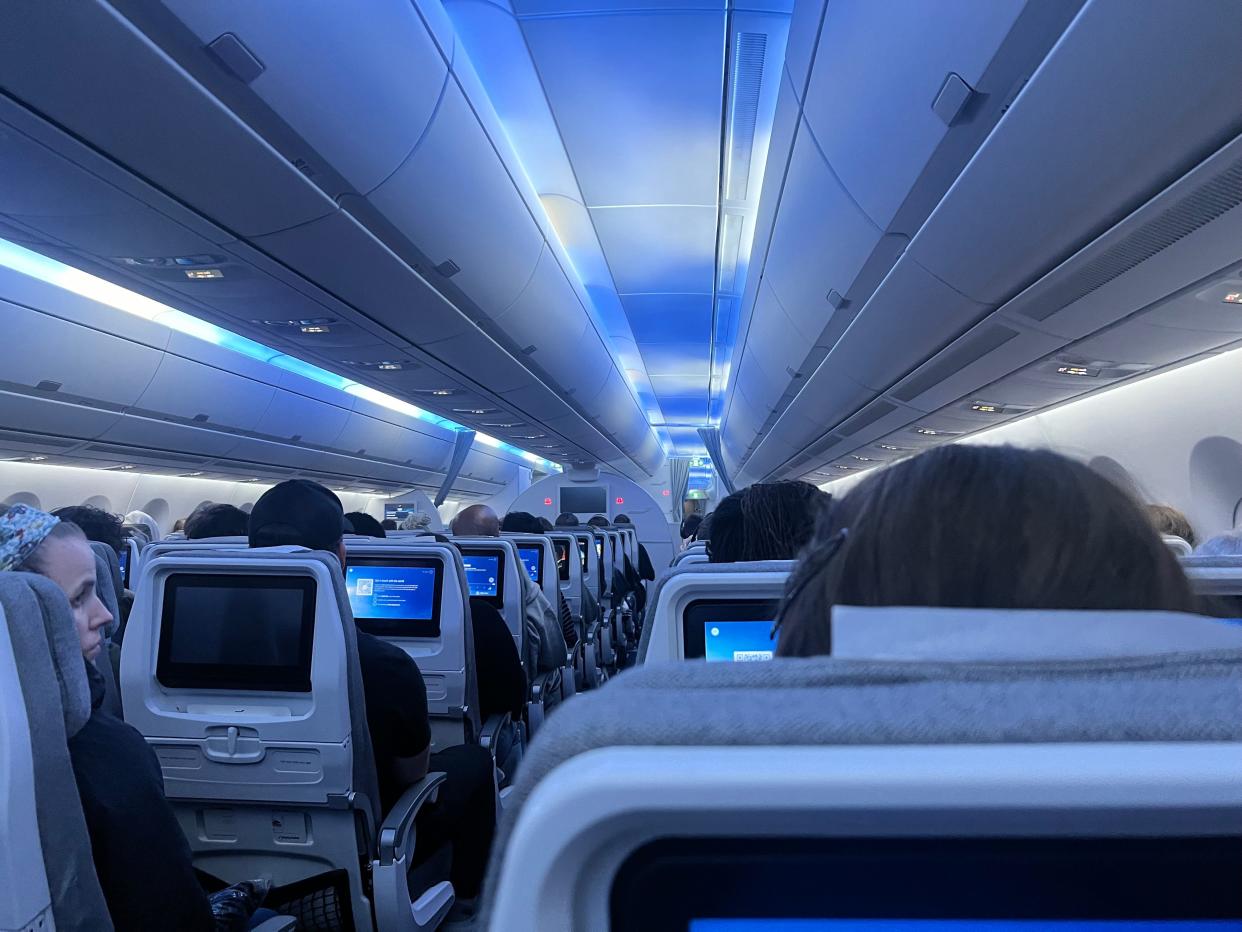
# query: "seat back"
{"type": "Point", "coordinates": [1179, 546]}
{"type": "Point", "coordinates": [570, 575]}
{"type": "Point", "coordinates": [47, 875]}
{"type": "Point", "coordinates": [128, 559]}
{"type": "Point", "coordinates": [720, 611]}
{"type": "Point", "coordinates": [105, 587]}
{"type": "Point", "coordinates": [167, 546]}
{"type": "Point", "coordinates": [590, 561]}
{"type": "Point", "coordinates": [538, 557]}
{"type": "Point", "coordinates": [436, 632]}
{"type": "Point", "coordinates": [695, 553]}
{"type": "Point", "coordinates": [1214, 575]}
{"type": "Point", "coordinates": [1103, 747]}
{"type": "Point", "coordinates": [240, 668]}
{"type": "Point", "coordinates": [494, 574]}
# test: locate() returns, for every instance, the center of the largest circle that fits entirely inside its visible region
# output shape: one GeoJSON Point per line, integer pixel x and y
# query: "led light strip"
{"type": "Point", "coordinates": [35, 265]}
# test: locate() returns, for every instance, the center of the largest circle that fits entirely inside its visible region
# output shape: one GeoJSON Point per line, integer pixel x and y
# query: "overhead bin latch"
{"type": "Point", "coordinates": [954, 95]}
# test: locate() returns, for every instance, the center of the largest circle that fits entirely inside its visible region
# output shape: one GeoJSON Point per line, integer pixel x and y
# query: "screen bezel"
{"type": "Point", "coordinates": [701, 611]}
{"type": "Point", "coordinates": [498, 600]}
{"type": "Point", "coordinates": [389, 628]}
{"type": "Point", "coordinates": [669, 883]}
{"type": "Point", "coordinates": [538, 548]}
{"type": "Point", "coordinates": [235, 677]}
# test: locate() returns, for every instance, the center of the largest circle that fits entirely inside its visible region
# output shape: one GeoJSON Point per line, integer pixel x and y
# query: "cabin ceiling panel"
{"type": "Point", "coordinates": [659, 250]}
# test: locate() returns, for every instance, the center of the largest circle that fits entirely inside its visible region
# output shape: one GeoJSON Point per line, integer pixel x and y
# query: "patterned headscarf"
{"type": "Point", "coordinates": [22, 530]}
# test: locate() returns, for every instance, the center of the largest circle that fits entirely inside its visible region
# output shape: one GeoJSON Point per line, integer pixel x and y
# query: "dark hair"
{"type": "Point", "coordinates": [598, 521]}
{"type": "Point", "coordinates": [567, 519]}
{"type": "Point", "coordinates": [622, 519]}
{"type": "Point", "coordinates": [690, 525]}
{"type": "Point", "coordinates": [521, 522]}
{"type": "Point", "coordinates": [95, 523]}
{"type": "Point", "coordinates": [545, 523]}
{"type": "Point", "coordinates": [1168, 520]}
{"type": "Point", "coordinates": [216, 520]}
{"type": "Point", "coordinates": [365, 525]}
{"type": "Point", "coordinates": [389, 524]}
{"type": "Point", "coordinates": [286, 535]}
{"type": "Point", "coordinates": [704, 530]}
{"type": "Point", "coordinates": [980, 527]}
{"type": "Point", "coordinates": [766, 521]}
{"type": "Point", "coordinates": [63, 530]}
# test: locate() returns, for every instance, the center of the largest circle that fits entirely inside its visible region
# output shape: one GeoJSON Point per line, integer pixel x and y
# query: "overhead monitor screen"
{"type": "Point", "coordinates": [584, 499]}
{"type": "Point", "coordinates": [398, 511]}
{"type": "Point", "coordinates": [561, 547]}
{"type": "Point", "coordinates": [532, 560]}
{"type": "Point", "coordinates": [393, 597]}
{"type": "Point", "coordinates": [729, 631]}
{"type": "Point", "coordinates": [237, 632]}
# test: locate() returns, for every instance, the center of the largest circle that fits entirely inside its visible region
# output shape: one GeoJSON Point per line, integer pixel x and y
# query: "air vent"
{"type": "Point", "coordinates": [1197, 209]}
{"type": "Point", "coordinates": [47, 385]}
{"type": "Point", "coordinates": [748, 58]}
{"type": "Point", "coordinates": [948, 363]}
{"type": "Point", "coordinates": [866, 417]}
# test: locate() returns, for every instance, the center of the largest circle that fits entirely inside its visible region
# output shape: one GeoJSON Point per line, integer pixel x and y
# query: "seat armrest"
{"type": "Point", "coordinates": [545, 685]}
{"type": "Point", "coordinates": [396, 833]}
{"type": "Point", "coordinates": [492, 728]}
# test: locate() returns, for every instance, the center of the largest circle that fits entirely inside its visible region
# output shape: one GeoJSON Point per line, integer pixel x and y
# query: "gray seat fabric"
{"type": "Point", "coordinates": [109, 657]}
{"type": "Point", "coordinates": [757, 566]}
{"type": "Point", "coordinates": [1212, 562]}
{"type": "Point", "coordinates": [109, 557]}
{"type": "Point", "coordinates": [57, 699]}
{"type": "Point", "coordinates": [822, 701]}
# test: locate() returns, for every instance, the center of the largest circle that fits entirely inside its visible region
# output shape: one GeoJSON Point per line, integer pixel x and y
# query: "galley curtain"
{"type": "Point", "coordinates": [461, 449]}
{"type": "Point", "coordinates": [679, 481]}
{"type": "Point", "coordinates": [711, 439]}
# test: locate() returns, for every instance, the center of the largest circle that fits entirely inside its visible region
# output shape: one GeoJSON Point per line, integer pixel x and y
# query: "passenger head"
{"type": "Point", "coordinates": [95, 523]}
{"type": "Point", "coordinates": [388, 524]}
{"type": "Point", "coordinates": [546, 524]}
{"type": "Point", "coordinates": [622, 519]}
{"type": "Point", "coordinates": [1222, 545]}
{"type": "Point", "coordinates": [690, 525]}
{"type": "Point", "coordinates": [1168, 520]}
{"type": "Point", "coordinates": [179, 526]}
{"type": "Point", "coordinates": [567, 519]}
{"type": "Point", "coordinates": [598, 521]}
{"type": "Point", "coordinates": [216, 520]}
{"type": "Point", "coordinates": [766, 521]}
{"type": "Point", "coordinates": [32, 541]}
{"type": "Point", "coordinates": [980, 527]}
{"type": "Point", "coordinates": [521, 522]}
{"type": "Point", "coordinates": [476, 521]}
{"type": "Point", "coordinates": [301, 513]}
{"type": "Point", "coordinates": [365, 525]}
{"type": "Point", "coordinates": [418, 521]}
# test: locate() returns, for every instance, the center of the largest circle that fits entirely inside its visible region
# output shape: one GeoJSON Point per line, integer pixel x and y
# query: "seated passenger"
{"type": "Point", "coordinates": [523, 522]}
{"type": "Point", "coordinates": [216, 520]}
{"type": "Point", "coordinates": [1228, 544]}
{"type": "Point", "coordinates": [179, 526]}
{"type": "Point", "coordinates": [95, 523]}
{"type": "Point", "coordinates": [388, 524]}
{"type": "Point", "coordinates": [303, 513]}
{"type": "Point", "coordinates": [418, 521]}
{"type": "Point", "coordinates": [141, 856]}
{"type": "Point", "coordinates": [646, 569]}
{"type": "Point", "coordinates": [765, 521]}
{"type": "Point", "coordinates": [365, 525]}
{"type": "Point", "coordinates": [567, 519]}
{"type": "Point", "coordinates": [1171, 522]}
{"type": "Point", "coordinates": [689, 531]}
{"type": "Point", "coordinates": [545, 641]}
{"type": "Point", "coordinates": [546, 524]}
{"type": "Point", "coordinates": [980, 527]}
{"type": "Point", "coordinates": [149, 525]}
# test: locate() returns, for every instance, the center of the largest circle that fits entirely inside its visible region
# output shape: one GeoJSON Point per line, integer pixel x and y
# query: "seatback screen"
{"type": "Point", "coordinates": [582, 550]}
{"type": "Point", "coordinates": [395, 597]}
{"type": "Point", "coordinates": [584, 499]}
{"type": "Point", "coordinates": [237, 632]}
{"type": "Point", "coordinates": [123, 559]}
{"type": "Point", "coordinates": [485, 574]}
{"type": "Point", "coordinates": [561, 547]}
{"type": "Point", "coordinates": [729, 631]}
{"type": "Point", "coordinates": [532, 560]}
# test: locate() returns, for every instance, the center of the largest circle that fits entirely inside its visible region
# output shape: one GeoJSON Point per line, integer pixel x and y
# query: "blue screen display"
{"type": "Point", "coordinates": [532, 559]}
{"type": "Point", "coordinates": [738, 641]}
{"type": "Point", "coordinates": [391, 593]}
{"type": "Point", "coordinates": [482, 574]}
{"type": "Point", "coordinates": [123, 557]}
{"type": "Point", "coordinates": [965, 925]}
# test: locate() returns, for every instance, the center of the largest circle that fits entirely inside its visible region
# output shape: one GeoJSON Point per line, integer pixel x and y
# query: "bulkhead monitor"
{"type": "Point", "coordinates": [239, 632]}
{"type": "Point", "coordinates": [729, 630]}
{"type": "Point", "coordinates": [485, 572]}
{"type": "Point", "coordinates": [911, 884]}
{"type": "Point", "coordinates": [584, 499]}
{"type": "Point", "coordinates": [532, 560]}
{"type": "Point", "coordinates": [395, 597]}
